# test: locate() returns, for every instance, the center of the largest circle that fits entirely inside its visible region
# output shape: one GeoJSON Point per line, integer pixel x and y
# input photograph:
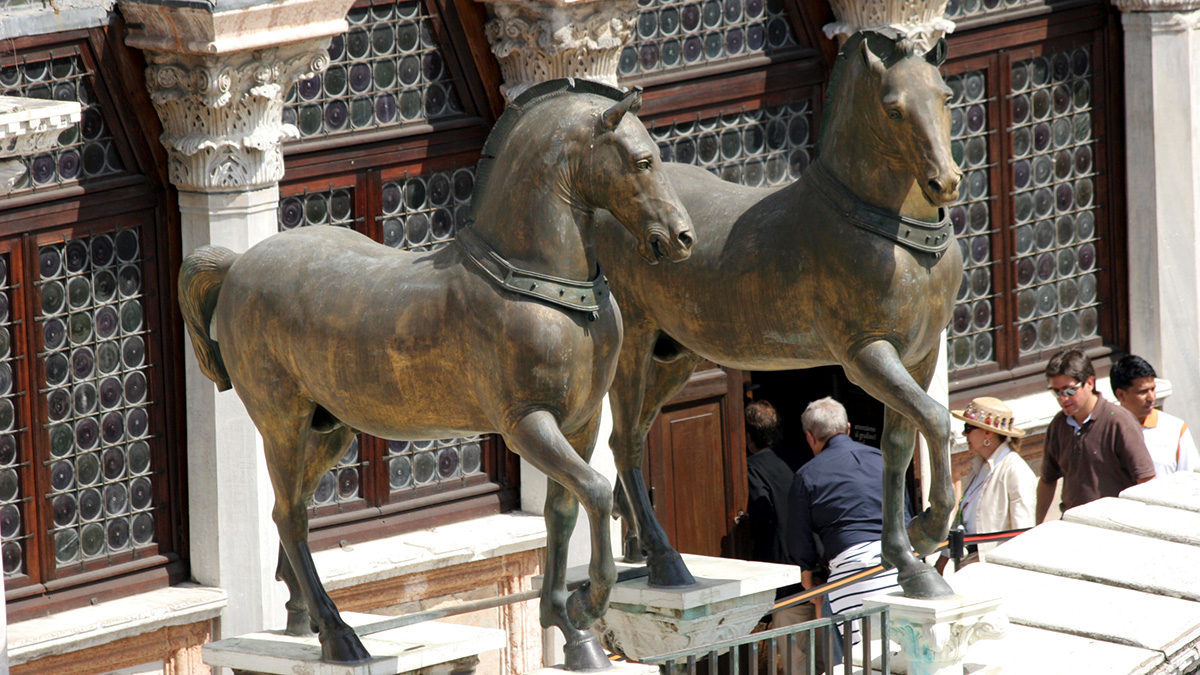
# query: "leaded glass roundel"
{"type": "Point", "coordinates": [330, 207]}
{"type": "Point", "coordinates": [971, 332]}
{"type": "Point", "coordinates": [386, 71]}
{"type": "Point", "coordinates": [765, 147]}
{"type": "Point", "coordinates": [96, 394]}
{"type": "Point", "coordinates": [1055, 256]}
{"type": "Point", "coordinates": [675, 34]}
{"type": "Point", "coordinates": [422, 213]}
{"type": "Point", "coordinates": [416, 464]}
{"type": "Point", "coordinates": [12, 469]}
{"type": "Point", "coordinates": [83, 151]}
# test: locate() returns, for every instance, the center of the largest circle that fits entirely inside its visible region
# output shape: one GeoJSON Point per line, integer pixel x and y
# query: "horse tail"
{"type": "Point", "coordinates": [200, 279]}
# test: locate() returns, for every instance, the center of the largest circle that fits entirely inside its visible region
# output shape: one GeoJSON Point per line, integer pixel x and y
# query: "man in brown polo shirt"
{"type": "Point", "coordinates": [1096, 447]}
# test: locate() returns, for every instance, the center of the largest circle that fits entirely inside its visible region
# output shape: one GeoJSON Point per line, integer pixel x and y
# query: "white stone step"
{"type": "Point", "coordinates": [1085, 609]}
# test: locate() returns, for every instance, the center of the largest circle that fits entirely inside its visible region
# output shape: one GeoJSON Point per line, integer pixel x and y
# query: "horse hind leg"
{"type": "Point", "coordinates": [296, 460]}
{"type": "Point", "coordinates": [538, 439]}
{"type": "Point", "coordinates": [641, 386]}
{"type": "Point", "coordinates": [877, 369]}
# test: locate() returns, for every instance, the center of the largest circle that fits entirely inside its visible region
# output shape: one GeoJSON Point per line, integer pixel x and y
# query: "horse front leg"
{"type": "Point", "coordinates": [877, 368]}
{"type": "Point", "coordinates": [538, 439]}
{"type": "Point", "coordinates": [641, 386]}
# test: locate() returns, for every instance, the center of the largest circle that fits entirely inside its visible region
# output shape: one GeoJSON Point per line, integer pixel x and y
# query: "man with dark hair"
{"type": "Point", "coordinates": [1096, 447]}
{"type": "Point", "coordinates": [770, 478]}
{"type": "Point", "coordinates": [1167, 437]}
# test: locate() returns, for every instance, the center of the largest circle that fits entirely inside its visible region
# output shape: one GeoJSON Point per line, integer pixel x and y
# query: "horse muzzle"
{"type": "Point", "coordinates": [675, 247]}
{"type": "Point", "coordinates": [941, 189]}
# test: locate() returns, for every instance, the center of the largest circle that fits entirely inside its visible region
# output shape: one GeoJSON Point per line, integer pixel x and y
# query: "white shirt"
{"type": "Point", "coordinates": [1170, 443]}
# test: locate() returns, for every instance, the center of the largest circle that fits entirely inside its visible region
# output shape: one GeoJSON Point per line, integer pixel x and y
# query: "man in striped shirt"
{"type": "Point", "coordinates": [835, 508]}
{"type": "Point", "coordinates": [1167, 437]}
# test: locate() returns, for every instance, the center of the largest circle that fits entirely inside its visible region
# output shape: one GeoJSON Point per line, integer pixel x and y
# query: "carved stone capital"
{"type": "Point", "coordinates": [537, 41]}
{"type": "Point", "coordinates": [222, 116]}
{"type": "Point", "coordinates": [921, 20]}
{"type": "Point", "coordinates": [932, 649]}
{"type": "Point", "coordinates": [934, 634]}
{"type": "Point", "coordinates": [1179, 14]}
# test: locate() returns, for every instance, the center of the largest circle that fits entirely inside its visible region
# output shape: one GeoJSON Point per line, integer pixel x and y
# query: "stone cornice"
{"type": "Point", "coordinates": [29, 126]}
{"type": "Point", "coordinates": [222, 116]}
{"type": "Point", "coordinates": [539, 41]}
{"type": "Point", "coordinates": [1157, 6]}
{"type": "Point", "coordinates": [192, 28]}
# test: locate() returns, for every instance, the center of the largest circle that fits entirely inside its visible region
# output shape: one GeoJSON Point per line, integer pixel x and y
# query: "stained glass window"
{"type": "Point", "coordinates": [422, 212]}
{"type": "Point", "coordinates": [971, 330]}
{"type": "Point", "coordinates": [673, 34]}
{"type": "Point", "coordinates": [1054, 200]}
{"type": "Point", "coordinates": [768, 146]}
{"type": "Point", "coordinates": [96, 395]}
{"type": "Point", "coordinates": [330, 207]}
{"type": "Point", "coordinates": [12, 469]}
{"type": "Point", "coordinates": [386, 71]}
{"type": "Point", "coordinates": [85, 150]}
{"type": "Point", "coordinates": [969, 9]}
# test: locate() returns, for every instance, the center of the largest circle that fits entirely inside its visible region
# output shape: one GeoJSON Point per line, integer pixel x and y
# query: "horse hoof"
{"type": "Point", "coordinates": [922, 541]}
{"type": "Point", "coordinates": [347, 649]}
{"type": "Point", "coordinates": [922, 582]}
{"type": "Point", "coordinates": [668, 571]}
{"type": "Point", "coordinates": [585, 655]}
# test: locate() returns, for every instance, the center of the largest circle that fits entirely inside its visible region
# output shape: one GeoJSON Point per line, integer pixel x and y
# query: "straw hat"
{"type": "Point", "coordinates": [990, 413]}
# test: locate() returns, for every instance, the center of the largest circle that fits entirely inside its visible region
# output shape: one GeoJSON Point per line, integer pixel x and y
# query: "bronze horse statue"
{"type": "Point", "coordinates": [325, 333]}
{"type": "Point", "coordinates": [852, 264]}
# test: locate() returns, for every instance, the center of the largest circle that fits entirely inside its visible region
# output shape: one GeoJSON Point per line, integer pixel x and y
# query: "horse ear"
{"type": "Point", "coordinates": [870, 59]}
{"type": "Point", "coordinates": [631, 102]}
{"type": "Point", "coordinates": [937, 55]}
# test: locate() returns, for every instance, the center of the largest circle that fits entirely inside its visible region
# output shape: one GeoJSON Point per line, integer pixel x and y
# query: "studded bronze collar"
{"type": "Point", "coordinates": [916, 234]}
{"type": "Point", "coordinates": [581, 296]}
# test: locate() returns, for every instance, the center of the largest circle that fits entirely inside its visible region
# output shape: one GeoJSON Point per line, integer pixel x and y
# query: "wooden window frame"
{"type": "Point", "coordinates": [997, 47]}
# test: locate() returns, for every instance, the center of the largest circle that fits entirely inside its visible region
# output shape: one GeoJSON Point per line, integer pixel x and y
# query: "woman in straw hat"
{"type": "Point", "coordinates": [1000, 492]}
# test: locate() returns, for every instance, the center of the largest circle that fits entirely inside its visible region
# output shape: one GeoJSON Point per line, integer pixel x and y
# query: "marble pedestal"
{"type": "Point", "coordinates": [934, 634]}
{"type": "Point", "coordinates": [430, 648]}
{"type": "Point", "coordinates": [729, 598]}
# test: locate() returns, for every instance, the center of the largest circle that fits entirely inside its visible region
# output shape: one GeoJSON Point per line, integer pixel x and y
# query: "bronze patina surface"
{"type": "Point", "coordinates": [852, 264]}
{"type": "Point", "coordinates": [324, 333]}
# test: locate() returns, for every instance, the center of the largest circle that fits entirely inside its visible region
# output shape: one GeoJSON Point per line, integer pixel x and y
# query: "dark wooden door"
{"type": "Point", "coordinates": [696, 464]}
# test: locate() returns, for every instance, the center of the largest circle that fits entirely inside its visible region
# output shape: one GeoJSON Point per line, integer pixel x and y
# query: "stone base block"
{"type": "Point", "coordinates": [618, 668]}
{"type": "Point", "coordinates": [430, 648]}
{"type": "Point", "coordinates": [935, 634]}
{"type": "Point", "coordinates": [729, 598]}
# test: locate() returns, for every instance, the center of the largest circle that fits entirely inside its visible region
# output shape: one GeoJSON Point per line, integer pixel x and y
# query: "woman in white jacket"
{"type": "Point", "coordinates": [1000, 491]}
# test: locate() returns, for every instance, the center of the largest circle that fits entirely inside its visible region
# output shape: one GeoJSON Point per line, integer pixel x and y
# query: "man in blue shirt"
{"type": "Point", "coordinates": [835, 508]}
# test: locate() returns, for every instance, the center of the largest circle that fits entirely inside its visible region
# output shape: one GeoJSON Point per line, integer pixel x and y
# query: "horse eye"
{"type": "Point", "coordinates": [644, 164]}
{"type": "Point", "coordinates": [895, 114]}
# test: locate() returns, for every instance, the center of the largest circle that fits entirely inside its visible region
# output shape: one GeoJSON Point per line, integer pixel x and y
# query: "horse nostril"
{"type": "Point", "coordinates": [935, 186]}
{"type": "Point", "coordinates": [685, 238]}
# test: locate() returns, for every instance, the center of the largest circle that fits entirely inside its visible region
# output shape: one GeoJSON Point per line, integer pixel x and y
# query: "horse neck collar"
{"type": "Point", "coordinates": [581, 296]}
{"type": "Point", "coordinates": [918, 235]}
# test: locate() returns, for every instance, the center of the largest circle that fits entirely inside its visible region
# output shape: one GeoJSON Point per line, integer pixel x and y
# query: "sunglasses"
{"type": "Point", "coordinates": [1065, 392]}
{"type": "Point", "coordinates": [967, 429]}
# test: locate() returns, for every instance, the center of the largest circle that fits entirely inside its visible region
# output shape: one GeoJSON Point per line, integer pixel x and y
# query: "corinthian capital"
{"type": "Point", "coordinates": [921, 20]}
{"type": "Point", "coordinates": [542, 40]}
{"type": "Point", "coordinates": [222, 115]}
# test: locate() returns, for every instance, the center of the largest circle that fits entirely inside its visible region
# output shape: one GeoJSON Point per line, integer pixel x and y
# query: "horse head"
{"type": "Point", "coordinates": [907, 109]}
{"type": "Point", "coordinates": [623, 174]}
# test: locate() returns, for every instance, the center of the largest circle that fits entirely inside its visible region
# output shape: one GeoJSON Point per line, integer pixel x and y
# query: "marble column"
{"type": "Point", "coordinates": [1162, 148]}
{"type": "Point", "coordinates": [218, 78]}
{"type": "Point", "coordinates": [922, 21]}
{"type": "Point", "coordinates": [543, 40]}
